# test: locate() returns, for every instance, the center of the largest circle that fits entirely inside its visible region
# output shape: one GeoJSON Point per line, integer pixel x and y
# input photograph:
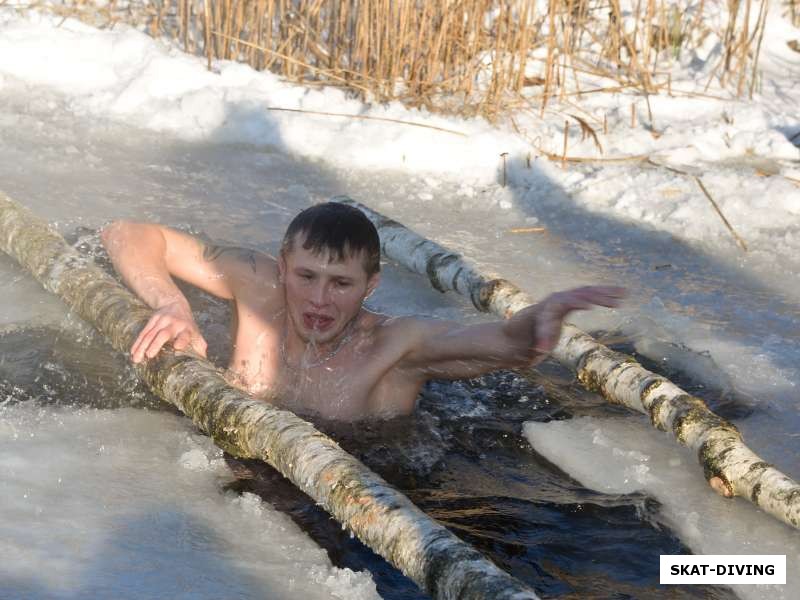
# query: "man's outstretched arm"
{"type": "Point", "coordinates": [453, 351]}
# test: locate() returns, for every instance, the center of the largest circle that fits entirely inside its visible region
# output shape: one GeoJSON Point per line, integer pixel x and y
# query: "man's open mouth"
{"type": "Point", "coordinates": [316, 321]}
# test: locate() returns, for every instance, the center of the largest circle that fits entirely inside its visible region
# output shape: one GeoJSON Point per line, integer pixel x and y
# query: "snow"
{"type": "Point", "coordinates": [90, 496]}
{"type": "Point", "coordinates": [125, 75]}
{"type": "Point", "coordinates": [102, 124]}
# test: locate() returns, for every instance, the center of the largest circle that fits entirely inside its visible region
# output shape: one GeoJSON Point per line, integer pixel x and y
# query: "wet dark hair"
{"type": "Point", "coordinates": [339, 229]}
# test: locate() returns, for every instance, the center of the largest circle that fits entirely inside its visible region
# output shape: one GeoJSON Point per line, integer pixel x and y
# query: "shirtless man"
{"type": "Point", "coordinates": [302, 338]}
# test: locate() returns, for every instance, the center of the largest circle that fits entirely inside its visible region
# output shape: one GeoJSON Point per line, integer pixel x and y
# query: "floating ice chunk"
{"type": "Point", "coordinates": [344, 583]}
{"type": "Point", "coordinates": [194, 460]}
{"type": "Point", "coordinates": [250, 503]}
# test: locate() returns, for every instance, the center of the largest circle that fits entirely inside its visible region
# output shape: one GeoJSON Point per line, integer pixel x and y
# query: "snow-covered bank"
{"type": "Point", "coordinates": [127, 76]}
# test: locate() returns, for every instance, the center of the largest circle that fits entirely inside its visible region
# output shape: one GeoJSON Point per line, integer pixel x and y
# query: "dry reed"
{"type": "Point", "coordinates": [792, 11]}
{"type": "Point", "coordinates": [455, 56]}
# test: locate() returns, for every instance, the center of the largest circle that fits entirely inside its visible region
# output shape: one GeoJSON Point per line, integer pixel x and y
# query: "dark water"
{"type": "Point", "coordinates": [460, 458]}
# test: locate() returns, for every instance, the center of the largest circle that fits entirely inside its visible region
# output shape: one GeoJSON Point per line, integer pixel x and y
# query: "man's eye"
{"type": "Point", "coordinates": [305, 275]}
{"type": "Point", "coordinates": [343, 284]}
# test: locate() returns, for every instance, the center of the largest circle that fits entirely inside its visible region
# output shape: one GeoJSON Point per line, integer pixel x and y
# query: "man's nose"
{"type": "Point", "coordinates": [319, 294]}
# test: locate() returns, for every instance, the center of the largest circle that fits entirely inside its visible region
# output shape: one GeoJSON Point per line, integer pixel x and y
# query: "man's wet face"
{"type": "Point", "coordinates": [322, 296]}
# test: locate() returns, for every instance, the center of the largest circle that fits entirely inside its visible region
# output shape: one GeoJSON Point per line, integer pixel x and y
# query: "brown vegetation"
{"type": "Point", "coordinates": [793, 11]}
{"type": "Point", "coordinates": [458, 56]}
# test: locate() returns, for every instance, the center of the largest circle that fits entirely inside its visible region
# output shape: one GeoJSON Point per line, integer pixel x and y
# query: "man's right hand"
{"type": "Point", "coordinates": [171, 323]}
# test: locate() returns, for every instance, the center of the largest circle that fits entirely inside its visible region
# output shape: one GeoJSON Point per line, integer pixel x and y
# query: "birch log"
{"type": "Point", "coordinates": [379, 515]}
{"type": "Point", "coordinates": [730, 467]}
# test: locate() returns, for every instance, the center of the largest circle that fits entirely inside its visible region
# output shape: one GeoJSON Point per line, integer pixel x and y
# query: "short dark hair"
{"type": "Point", "coordinates": [339, 229]}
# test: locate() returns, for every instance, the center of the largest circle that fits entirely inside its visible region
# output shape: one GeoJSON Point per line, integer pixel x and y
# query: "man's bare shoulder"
{"type": "Point", "coordinates": [249, 269]}
{"type": "Point", "coordinates": [412, 324]}
{"type": "Point", "coordinates": [406, 332]}
{"type": "Point", "coordinates": [253, 259]}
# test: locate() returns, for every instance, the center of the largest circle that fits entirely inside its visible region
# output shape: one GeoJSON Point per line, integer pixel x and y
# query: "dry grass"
{"type": "Point", "coordinates": [458, 56]}
{"type": "Point", "coordinates": [793, 11]}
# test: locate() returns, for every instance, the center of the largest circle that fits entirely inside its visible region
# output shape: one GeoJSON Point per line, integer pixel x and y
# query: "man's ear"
{"type": "Point", "coordinates": [372, 283]}
{"type": "Point", "coordinates": [281, 268]}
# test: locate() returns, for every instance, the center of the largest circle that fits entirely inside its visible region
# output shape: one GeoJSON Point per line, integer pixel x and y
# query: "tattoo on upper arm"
{"type": "Point", "coordinates": [212, 252]}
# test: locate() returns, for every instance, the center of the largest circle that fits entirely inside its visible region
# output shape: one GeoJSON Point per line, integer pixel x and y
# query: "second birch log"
{"type": "Point", "coordinates": [383, 518]}
{"type": "Point", "coordinates": [730, 467]}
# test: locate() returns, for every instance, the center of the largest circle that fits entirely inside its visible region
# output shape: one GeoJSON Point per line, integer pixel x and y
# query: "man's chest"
{"type": "Point", "coordinates": [348, 384]}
